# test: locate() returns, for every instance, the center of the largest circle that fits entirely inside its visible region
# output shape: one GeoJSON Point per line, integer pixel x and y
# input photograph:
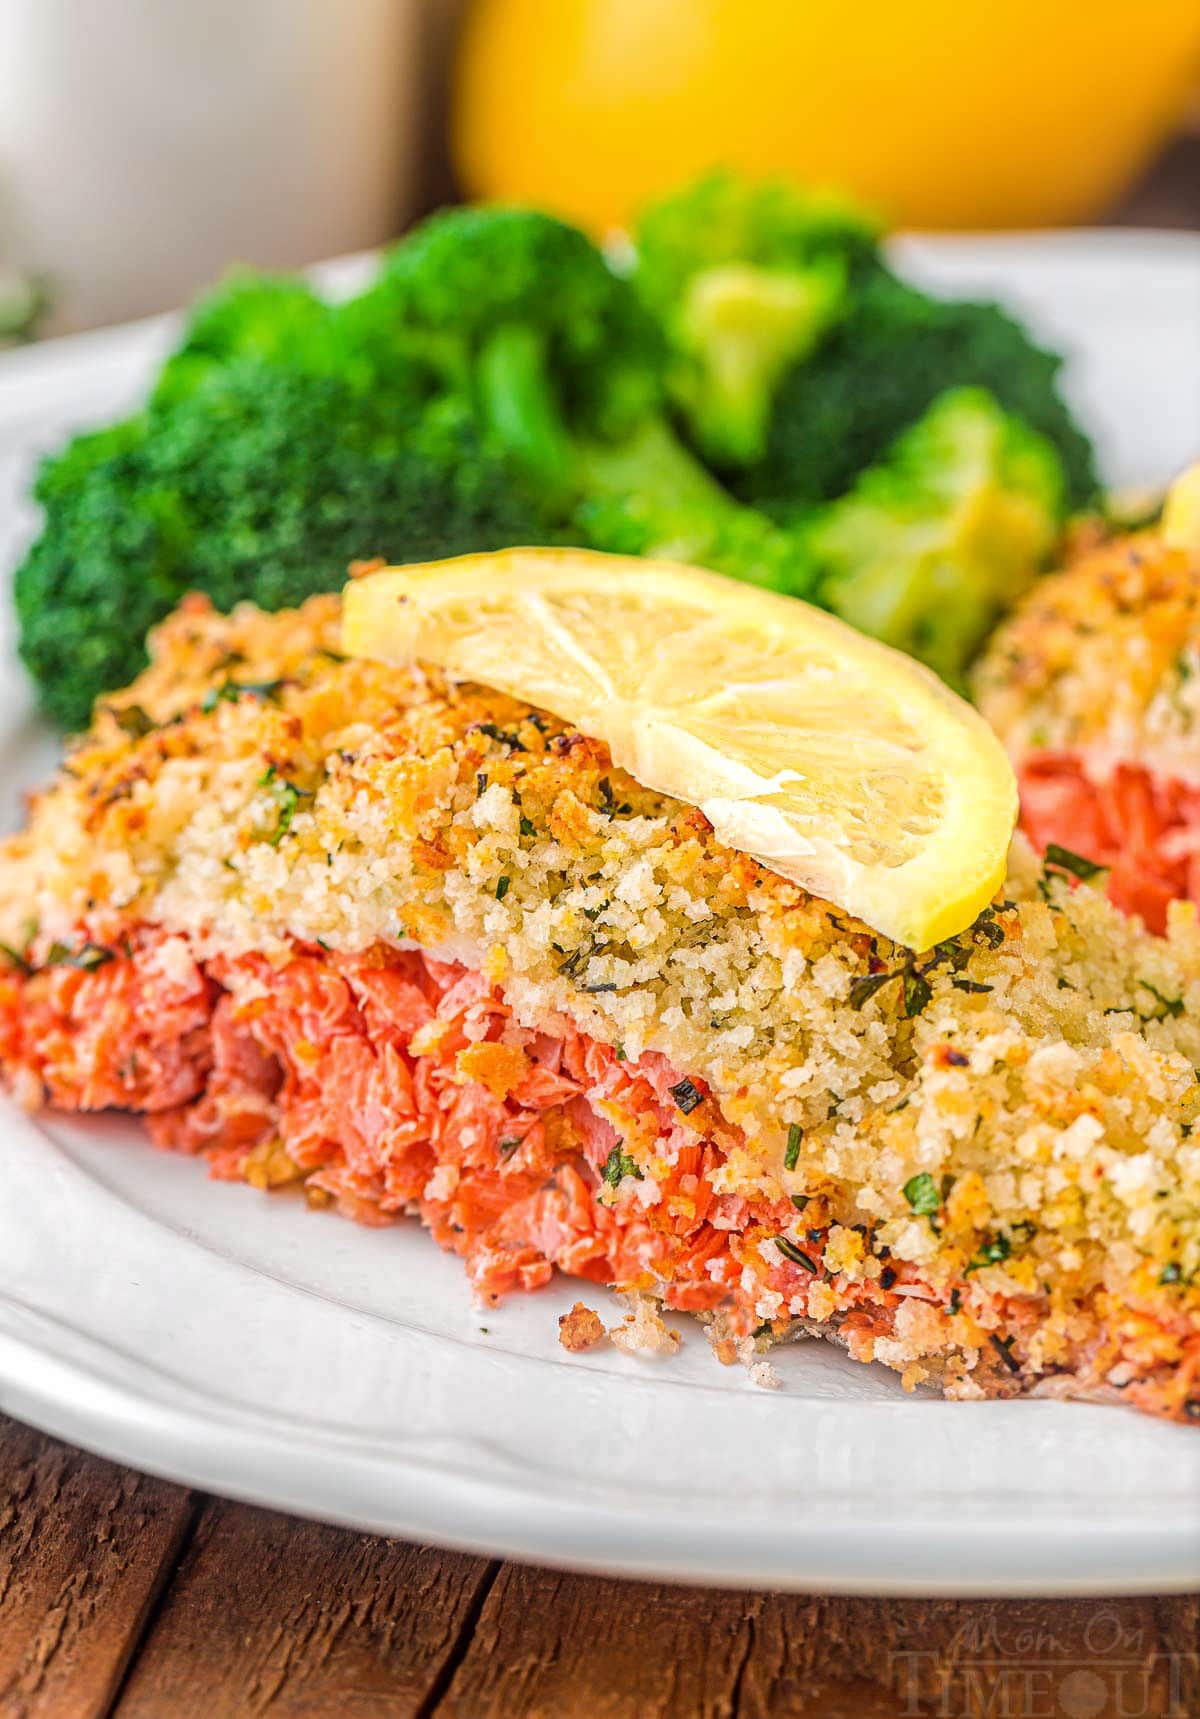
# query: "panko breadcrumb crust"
{"type": "Point", "coordinates": [1102, 660]}
{"type": "Point", "coordinates": [977, 1161]}
{"type": "Point", "coordinates": [1093, 686]}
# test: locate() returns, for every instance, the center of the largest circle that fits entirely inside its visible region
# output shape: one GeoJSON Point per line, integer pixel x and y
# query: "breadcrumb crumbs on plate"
{"type": "Point", "coordinates": [580, 1329]}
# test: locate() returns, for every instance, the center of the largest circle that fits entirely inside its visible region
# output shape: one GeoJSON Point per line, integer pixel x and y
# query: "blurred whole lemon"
{"type": "Point", "coordinates": [943, 113]}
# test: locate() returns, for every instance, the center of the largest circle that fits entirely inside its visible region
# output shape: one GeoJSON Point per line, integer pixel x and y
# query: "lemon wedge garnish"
{"type": "Point", "coordinates": [1181, 511]}
{"type": "Point", "coordinates": [837, 762]}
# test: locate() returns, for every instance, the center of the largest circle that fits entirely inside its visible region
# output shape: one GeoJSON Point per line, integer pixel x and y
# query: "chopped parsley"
{"type": "Point", "coordinates": [512, 741]}
{"type": "Point", "coordinates": [864, 988]}
{"type": "Point", "coordinates": [481, 783]}
{"type": "Point", "coordinates": [502, 886]}
{"type": "Point", "coordinates": [1003, 1348]}
{"type": "Point", "coordinates": [87, 958]}
{"type": "Point", "coordinates": [797, 1255]}
{"type": "Point", "coordinates": [618, 1165]}
{"type": "Point", "coordinates": [685, 1095]}
{"type": "Point", "coordinates": [608, 802]}
{"type": "Point", "coordinates": [792, 1156]}
{"type": "Point", "coordinates": [917, 992]}
{"type": "Point", "coordinates": [1171, 1006]}
{"type": "Point", "coordinates": [230, 691]}
{"type": "Point", "coordinates": [131, 719]}
{"type": "Point", "coordinates": [954, 953]}
{"type": "Point", "coordinates": [16, 959]}
{"type": "Point", "coordinates": [993, 1252]}
{"type": "Point", "coordinates": [1172, 1273]}
{"type": "Point", "coordinates": [620, 1053]}
{"type": "Point", "coordinates": [527, 826]}
{"type": "Point", "coordinates": [1060, 859]}
{"type": "Point", "coordinates": [287, 798]}
{"type": "Point", "coordinates": [922, 1194]}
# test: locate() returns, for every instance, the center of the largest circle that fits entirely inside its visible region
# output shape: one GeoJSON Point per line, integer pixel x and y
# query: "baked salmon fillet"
{"type": "Point", "coordinates": [415, 948]}
{"type": "Point", "coordinates": [1093, 685]}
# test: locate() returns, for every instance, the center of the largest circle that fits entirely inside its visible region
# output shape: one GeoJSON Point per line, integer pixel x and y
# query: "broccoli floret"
{"type": "Point", "coordinates": [564, 367]}
{"type": "Point", "coordinates": [934, 541]}
{"type": "Point", "coordinates": [273, 317]}
{"type": "Point", "coordinates": [745, 279]}
{"type": "Point", "coordinates": [258, 483]}
{"type": "Point", "coordinates": [878, 371]}
{"type": "Point", "coordinates": [104, 569]}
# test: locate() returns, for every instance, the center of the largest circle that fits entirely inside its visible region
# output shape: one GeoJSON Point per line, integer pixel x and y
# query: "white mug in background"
{"type": "Point", "coordinates": [146, 144]}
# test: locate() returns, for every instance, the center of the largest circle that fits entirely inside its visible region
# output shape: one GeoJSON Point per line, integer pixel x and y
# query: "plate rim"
{"type": "Point", "coordinates": [117, 1420]}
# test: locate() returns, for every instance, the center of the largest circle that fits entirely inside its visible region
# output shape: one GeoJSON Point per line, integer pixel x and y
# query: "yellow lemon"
{"type": "Point", "coordinates": [837, 762]}
{"type": "Point", "coordinates": [942, 113]}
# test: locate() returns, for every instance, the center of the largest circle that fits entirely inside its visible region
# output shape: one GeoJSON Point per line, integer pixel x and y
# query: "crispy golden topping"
{"type": "Point", "coordinates": [1103, 659]}
{"type": "Point", "coordinates": [1018, 1102]}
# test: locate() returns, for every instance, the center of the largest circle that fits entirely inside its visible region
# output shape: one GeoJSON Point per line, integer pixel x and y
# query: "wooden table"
{"type": "Point", "coordinates": [127, 1596]}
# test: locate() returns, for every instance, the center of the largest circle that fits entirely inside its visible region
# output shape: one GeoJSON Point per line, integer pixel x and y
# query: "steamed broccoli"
{"type": "Point", "coordinates": [877, 372]}
{"type": "Point", "coordinates": [934, 541]}
{"type": "Point", "coordinates": [565, 370]}
{"type": "Point", "coordinates": [247, 315]}
{"type": "Point", "coordinates": [744, 279]}
{"type": "Point", "coordinates": [257, 481]}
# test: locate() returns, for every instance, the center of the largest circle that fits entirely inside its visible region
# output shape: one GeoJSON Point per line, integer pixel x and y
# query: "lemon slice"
{"type": "Point", "coordinates": [1181, 511]}
{"type": "Point", "coordinates": [834, 760]}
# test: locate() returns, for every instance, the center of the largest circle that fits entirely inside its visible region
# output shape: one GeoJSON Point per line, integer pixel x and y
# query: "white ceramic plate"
{"type": "Point", "coordinates": [240, 1343]}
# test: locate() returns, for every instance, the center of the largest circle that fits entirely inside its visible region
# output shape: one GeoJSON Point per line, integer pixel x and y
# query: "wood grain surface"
{"type": "Point", "coordinates": [129, 1597]}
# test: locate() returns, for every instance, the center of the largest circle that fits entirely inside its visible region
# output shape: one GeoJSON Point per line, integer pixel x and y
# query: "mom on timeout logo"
{"type": "Point", "coordinates": [990, 1668]}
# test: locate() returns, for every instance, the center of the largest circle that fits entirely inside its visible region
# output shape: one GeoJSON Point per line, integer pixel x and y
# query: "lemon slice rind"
{"type": "Point", "coordinates": [834, 760]}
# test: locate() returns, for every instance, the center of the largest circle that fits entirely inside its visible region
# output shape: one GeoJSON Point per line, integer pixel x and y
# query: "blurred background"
{"type": "Point", "coordinates": [145, 144]}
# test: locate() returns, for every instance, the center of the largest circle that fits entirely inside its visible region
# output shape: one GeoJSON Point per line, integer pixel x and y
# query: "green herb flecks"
{"type": "Point", "coordinates": [864, 988]}
{"type": "Point", "coordinates": [1062, 859]}
{"type": "Point", "coordinates": [1167, 1006]}
{"type": "Point", "coordinates": [1003, 1347]}
{"type": "Point", "coordinates": [792, 1156]}
{"type": "Point", "coordinates": [953, 954]}
{"type": "Point", "coordinates": [1059, 863]}
{"type": "Point", "coordinates": [229, 691]}
{"type": "Point", "coordinates": [86, 958]}
{"type": "Point", "coordinates": [993, 1252]}
{"type": "Point", "coordinates": [922, 1195]}
{"type": "Point", "coordinates": [132, 720]}
{"type": "Point", "coordinates": [503, 735]}
{"type": "Point", "coordinates": [685, 1095]}
{"type": "Point", "coordinates": [287, 797]}
{"type": "Point", "coordinates": [618, 1165]}
{"type": "Point", "coordinates": [797, 1255]}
